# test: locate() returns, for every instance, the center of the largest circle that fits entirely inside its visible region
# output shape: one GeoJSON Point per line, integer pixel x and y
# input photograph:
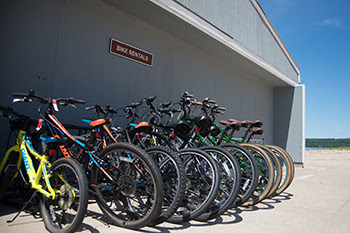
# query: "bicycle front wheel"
{"type": "Point", "coordinates": [265, 174]}
{"type": "Point", "coordinates": [128, 185]}
{"type": "Point", "coordinates": [249, 172]}
{"type": "Point", "coordinates": [230, 181]}
{"type": "Point", "coordinates": [174, 179]}
{"type": "Point", "coordinates": [202, 184]}
{"type": "Point", "coordinates": [287, 169]}
{"type": "Point", "coordinates": [66, 211]}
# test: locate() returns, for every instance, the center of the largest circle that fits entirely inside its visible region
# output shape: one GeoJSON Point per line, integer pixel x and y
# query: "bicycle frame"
{"type": "Point", "coordinates": [25, 148]}
{"type": "Point", "coordinates": [226, 138]}
{"type": "Point", "coordinates": [85, 148]}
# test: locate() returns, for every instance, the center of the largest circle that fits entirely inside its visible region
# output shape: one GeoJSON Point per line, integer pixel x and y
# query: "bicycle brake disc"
{"type": "Point", "coordinates": [66, 197]}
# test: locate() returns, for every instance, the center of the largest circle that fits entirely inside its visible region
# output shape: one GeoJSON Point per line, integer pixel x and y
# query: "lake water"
{"type": "Point", "coordinates": [315, 148]}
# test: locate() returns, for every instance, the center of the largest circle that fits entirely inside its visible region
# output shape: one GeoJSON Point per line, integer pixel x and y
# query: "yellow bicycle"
{"type": "Point", "coordinates": [61, 187]}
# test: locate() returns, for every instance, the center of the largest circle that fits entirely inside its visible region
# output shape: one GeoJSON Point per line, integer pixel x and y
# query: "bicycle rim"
{"type": "Point", "coordinates": [202, 184]}
{"type": "Point", "coordinates": [230, 181]}
{"type": "Point", "coordinates": [265, 175]}
{"type": "Point", "coordinates": [131, 195]}
{"type": "Point", "coordinates": [277, 169]}
{"type": "Point", "coordinates": [66, 212]}
{"type": "Point", "coordinates": [286, 170]}
{"type": "Point", "coordinates": [249, 172]}
{"type": "Point", "coordinates": [173, 174]}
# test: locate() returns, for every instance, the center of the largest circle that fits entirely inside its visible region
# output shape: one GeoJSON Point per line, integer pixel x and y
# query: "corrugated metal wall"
{"type": "Point", "coordinates": [61, 48]}
{"type": "Point", "coordinates": [240, 20]}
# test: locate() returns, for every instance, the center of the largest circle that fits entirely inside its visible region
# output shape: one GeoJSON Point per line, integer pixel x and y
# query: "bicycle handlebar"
{"type": "Point", "coordinates": [70, 100]}
{"type": "Point", "coordinates": [97, 108]}
{"type": "Point", "coordinates": [150, 99]}
{"type": "Point", "coordinates": [26, 97]}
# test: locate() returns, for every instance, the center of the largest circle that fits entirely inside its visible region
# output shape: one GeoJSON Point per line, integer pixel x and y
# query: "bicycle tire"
{"type": "Point", "coordinates": [277, 169]}
{"type": "Point", "coordinates": [66, 211]}
{"type": "Point", "coordinates": [131, 196]}
{"type": "Point", "coordinates": [265, 170]}
{"type": "Point", "coordinates": [229, 183]}
{"type": "Point", "coordinates": [289, 157]}
{"type": "Point", "coordinates": [202, 185]}
{"type": "Point", "coordinates": [287, 170]}
{"type": "Point", "coordinates": [249, 172]}
{"type": "Point", "coordinates": [174, 179]}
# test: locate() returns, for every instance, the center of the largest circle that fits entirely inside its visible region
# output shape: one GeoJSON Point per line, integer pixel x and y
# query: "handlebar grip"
{"type": "Point", "coordinates": [151, 98]}
{"type": "Point", "coordinates": [20, 95]}
{"type": "Point", "coordinates": [79, 101]}
{"type": "Point", "coordinates": [134, 105]}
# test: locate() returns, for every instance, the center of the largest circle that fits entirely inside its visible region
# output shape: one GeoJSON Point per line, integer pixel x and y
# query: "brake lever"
{"type": "Point", "coordinates": [15, 100]}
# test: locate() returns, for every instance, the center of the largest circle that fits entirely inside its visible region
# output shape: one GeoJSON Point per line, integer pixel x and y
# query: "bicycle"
{"type": "Point", "coordinates": [201, 170]}
{"type": "Point", "coordinates": [263, 161]}
{"type": "Point", "coordinates": [125, 182]}
{"type": "Point", "coordinates": [279, 157]}
{"type": "Point", "coordinates": [230, 177]}
{"type": "Point", "coordinates": [169, 164]}
{"type": "Point", "coordinates": [246, 162]}
{"type": "Point", "coordinates": [62, 185]}
{"type": "Point", "coordinates": [284, 158]}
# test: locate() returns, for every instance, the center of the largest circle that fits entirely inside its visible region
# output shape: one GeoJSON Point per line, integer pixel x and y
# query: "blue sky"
{"type": "Point", "coordinates": [317, 34]}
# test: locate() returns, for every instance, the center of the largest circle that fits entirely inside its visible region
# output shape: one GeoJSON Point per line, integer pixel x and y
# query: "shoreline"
{"type": "Point", "coordinates": [328, 151]}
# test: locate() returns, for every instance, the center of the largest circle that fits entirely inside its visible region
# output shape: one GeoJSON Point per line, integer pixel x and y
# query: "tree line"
{"type": "Point", "coordinates": [327, 142]}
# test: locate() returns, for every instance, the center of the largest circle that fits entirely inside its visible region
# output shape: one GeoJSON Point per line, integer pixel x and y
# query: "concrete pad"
{"type": "Point", "coordinates": [317, 201]}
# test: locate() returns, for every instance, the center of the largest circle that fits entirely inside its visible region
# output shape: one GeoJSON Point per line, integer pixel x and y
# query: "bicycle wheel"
{"type": "Point", "coordinates": [277, 169]}
{"type": "Point", "coordinates": [66, 211]}
{"type": "Point", "coordinates": [229, 183]}
{"type": "Point", "coordinates": [287, 155]}
{"type": "Point", "coordinates": [174, 179]}
{"type": "Point", "coordinates": [202, 184]}
{"type": "Point", "coordinates": [265, 174]}
{"type": "Point", "coordinates": [128, 185]}
{"type": "Point", "coordinates": [287, 169]}
{"type": "Point", "coordinates": [249, 172]}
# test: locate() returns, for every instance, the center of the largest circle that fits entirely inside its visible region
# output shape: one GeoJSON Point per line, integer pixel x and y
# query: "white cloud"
{"type": "Point", "coordinates": [335, 22]}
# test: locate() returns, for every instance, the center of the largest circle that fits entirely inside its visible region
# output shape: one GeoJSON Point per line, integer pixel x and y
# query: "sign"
{"type": "Point", "coordinates": [130, 52]}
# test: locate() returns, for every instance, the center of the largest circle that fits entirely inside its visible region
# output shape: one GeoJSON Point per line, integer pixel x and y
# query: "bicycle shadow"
{"type": "Point", "coordinates": [166, 227]}
{"type": "Point", "coordinates": [231, 216]}
{"type": "Point", "coordinates": [268, 204]}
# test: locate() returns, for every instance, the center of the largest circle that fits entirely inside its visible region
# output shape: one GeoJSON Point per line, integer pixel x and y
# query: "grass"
{"type": "Point", "coordinates": [341, 148]}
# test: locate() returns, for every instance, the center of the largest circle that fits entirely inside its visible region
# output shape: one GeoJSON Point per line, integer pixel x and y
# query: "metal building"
{"type": "Point", "coordinates": [119, 51]}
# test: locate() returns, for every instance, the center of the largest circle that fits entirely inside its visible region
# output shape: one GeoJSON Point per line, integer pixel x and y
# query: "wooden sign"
{"type": "Point", "coordinates": [130, 52]}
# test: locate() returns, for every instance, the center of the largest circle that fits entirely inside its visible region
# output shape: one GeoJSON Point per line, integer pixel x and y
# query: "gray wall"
{"type": "Point", "coordinates": [289, 112]}
{"type": "Point", "coordinates": [60, 49]}
{"type": "Point", "coordinates": [240, 20]}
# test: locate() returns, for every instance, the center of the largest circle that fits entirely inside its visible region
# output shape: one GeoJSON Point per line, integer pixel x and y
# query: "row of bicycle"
{"type": "Point", "coordinates": [170, 163]}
